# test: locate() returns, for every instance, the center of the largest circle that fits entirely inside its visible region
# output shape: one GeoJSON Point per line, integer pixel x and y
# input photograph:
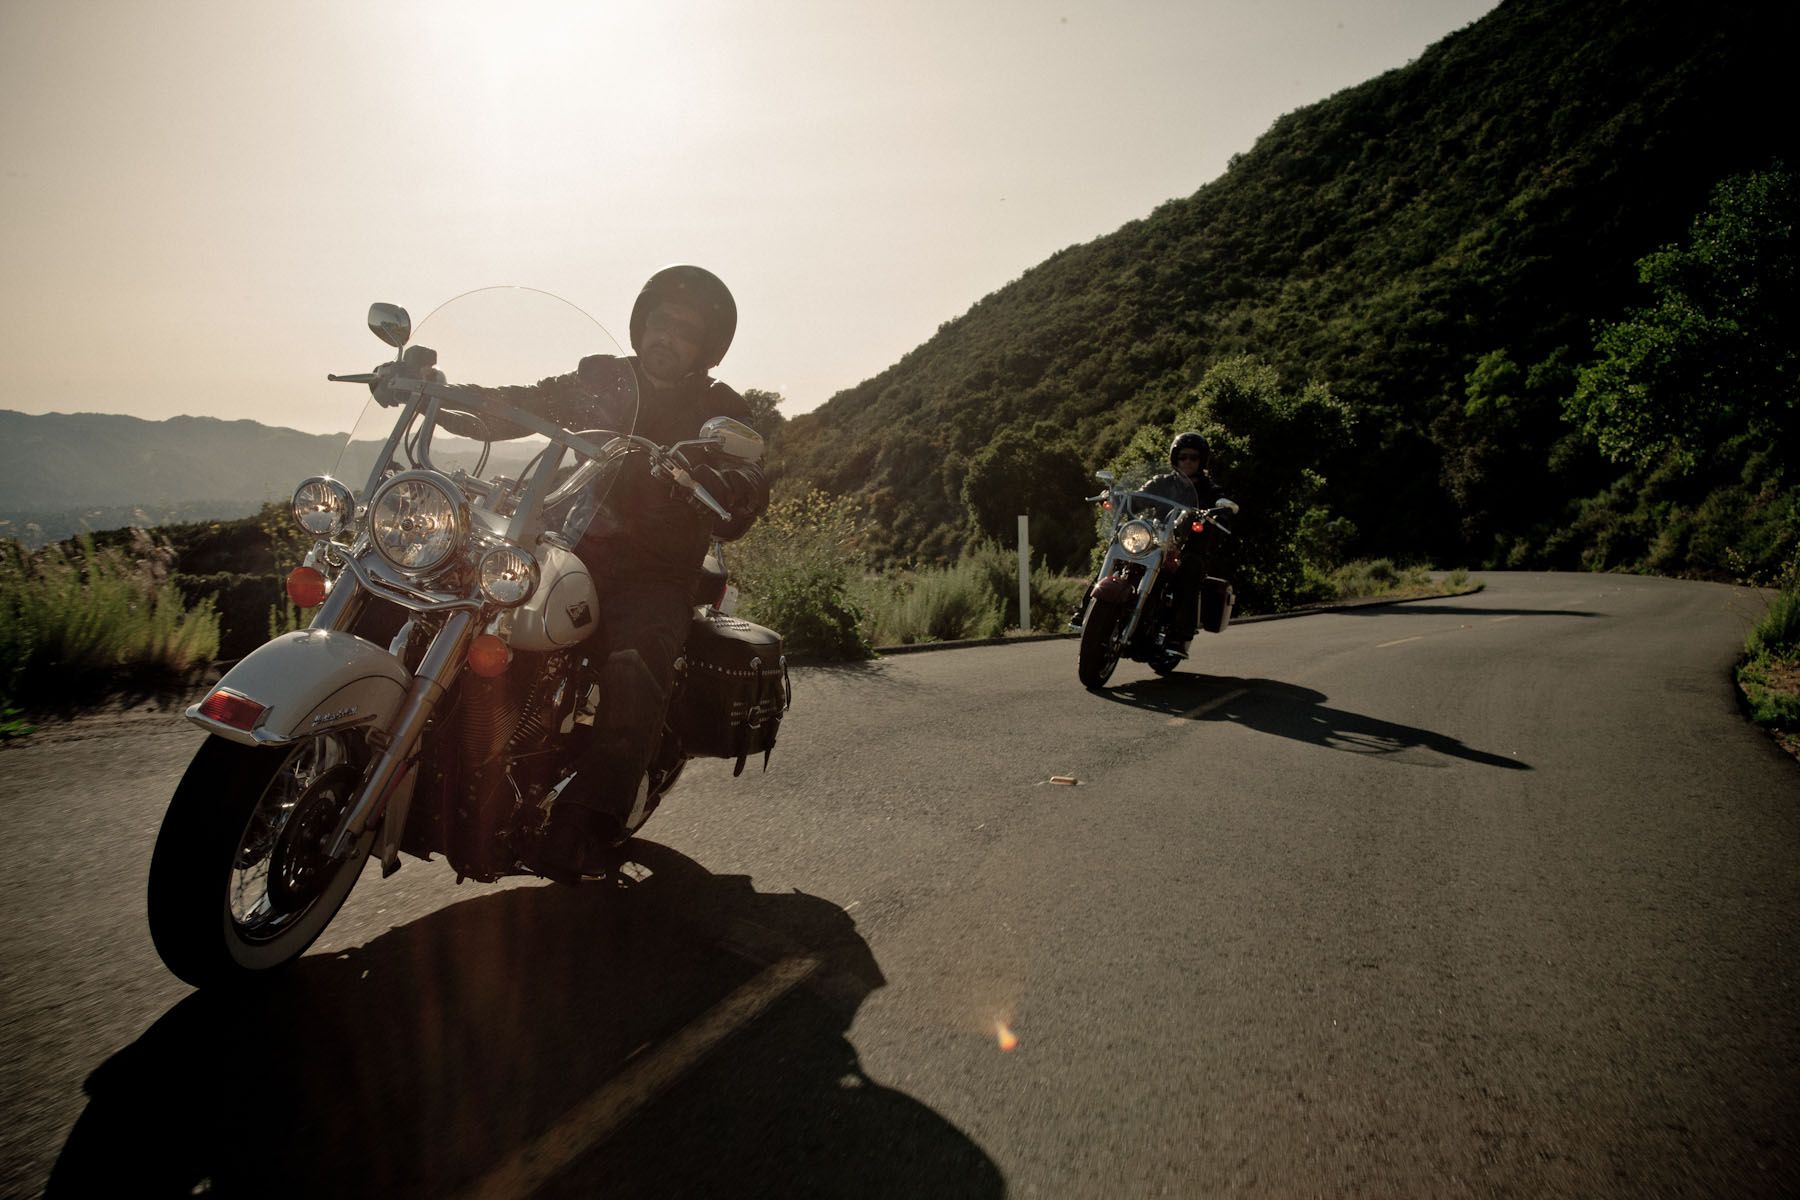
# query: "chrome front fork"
{"type": "Point", "coordinates": [437, 671]}
{"type": "Point", "coordinates": [1146, 585]}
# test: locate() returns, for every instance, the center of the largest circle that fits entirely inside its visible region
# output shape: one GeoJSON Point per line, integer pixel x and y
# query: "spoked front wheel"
{"type": "Point", "coordinates": [241, 880]}
{"type": "Point", "coordinates": [1099, 644]}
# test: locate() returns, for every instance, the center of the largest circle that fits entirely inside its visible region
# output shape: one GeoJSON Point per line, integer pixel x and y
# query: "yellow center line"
{"type": "Point", "coordinates": [641, 1081]}
{"type": "Point", "coordinates": [1398, 641]}
{"type": "Point", "coordinates": [1198, 710]}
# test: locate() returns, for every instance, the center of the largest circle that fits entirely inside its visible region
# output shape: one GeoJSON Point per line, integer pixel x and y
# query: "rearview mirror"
{"type": "Point", "coordinates": [390, 323]}
{"type": "Point", "coordinates": [1222, 502]}
{"type": "Point", "coordinates": [1105, 476]}
{"type": "Point", "coordinates": [735, 438]}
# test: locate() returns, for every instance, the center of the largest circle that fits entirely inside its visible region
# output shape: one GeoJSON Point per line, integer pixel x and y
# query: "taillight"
{"type": "Point", "coordinates": [229, 708]}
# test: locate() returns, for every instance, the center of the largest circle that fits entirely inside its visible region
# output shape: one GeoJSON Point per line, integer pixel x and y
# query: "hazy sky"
{"type": "Point", "coordinates": [201, 197]}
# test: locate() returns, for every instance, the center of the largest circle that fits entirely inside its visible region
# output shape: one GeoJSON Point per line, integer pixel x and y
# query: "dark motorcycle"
{"type": "Point", "coordinates": [448, 678]}
{"type": "Point", "coordinates": [1132, 609]}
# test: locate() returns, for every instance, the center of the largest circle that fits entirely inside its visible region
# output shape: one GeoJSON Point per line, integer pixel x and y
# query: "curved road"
{"type": "Point", "coordinates": [1493, 895]}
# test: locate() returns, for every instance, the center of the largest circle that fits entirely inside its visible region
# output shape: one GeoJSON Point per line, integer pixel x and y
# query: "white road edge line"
{"type": "Point", "coordinates": [643, 1079]}
{"type": "Point", "coordinates": [1191, 713]}
{"type": "Point", "coordinates": [1397, 641]}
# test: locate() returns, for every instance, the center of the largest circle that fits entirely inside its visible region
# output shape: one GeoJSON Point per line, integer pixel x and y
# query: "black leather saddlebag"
{"type": "Point", "coordinates": [734, 691]}
{"type": "Point", "coordinates": [1216, 599]}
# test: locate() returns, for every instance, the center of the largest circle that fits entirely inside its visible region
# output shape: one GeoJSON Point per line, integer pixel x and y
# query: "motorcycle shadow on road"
{"type": "Point", "coordinates": [1291, 711]}
{"type": "Point", "coordinates": [420, 1063]}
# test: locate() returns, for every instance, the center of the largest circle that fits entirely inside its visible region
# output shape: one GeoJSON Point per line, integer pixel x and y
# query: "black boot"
{"type": "Point", "coordinates": [576, 840]}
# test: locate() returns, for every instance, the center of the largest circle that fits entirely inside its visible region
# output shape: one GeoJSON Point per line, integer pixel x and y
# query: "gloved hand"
{"type": "Point", "coordinates": [739, 493]}
{"type": "Point", "coordinates": [719, 487]}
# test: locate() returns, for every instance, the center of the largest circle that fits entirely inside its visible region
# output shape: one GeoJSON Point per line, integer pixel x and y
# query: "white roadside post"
{"type": "Point", "coordinates": [1025, 573]}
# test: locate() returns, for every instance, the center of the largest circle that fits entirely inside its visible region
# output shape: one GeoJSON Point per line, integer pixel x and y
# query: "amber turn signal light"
{"type": "Point", "coordinates": [306, 587]}
{"type": "Point", "coordinates": [489, 656]}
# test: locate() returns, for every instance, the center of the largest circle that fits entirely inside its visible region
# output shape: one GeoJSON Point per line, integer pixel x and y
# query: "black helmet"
{"type": "Point", "coordinates": [1189, 441]}
{"type": "Point", "coordinates": [702, 289]}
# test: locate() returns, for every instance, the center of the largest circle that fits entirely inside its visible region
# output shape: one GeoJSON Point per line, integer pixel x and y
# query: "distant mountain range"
{"type": "Point", "coordinates": [66, 460]}
{"type": "Point", "coordinates": [63, 471]}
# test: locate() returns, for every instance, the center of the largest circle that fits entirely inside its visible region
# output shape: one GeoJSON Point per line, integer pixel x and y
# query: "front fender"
{"type": "Point", "coordinates": [307, 682]}
{"type": "Point", "coordinates": [1115, 589]}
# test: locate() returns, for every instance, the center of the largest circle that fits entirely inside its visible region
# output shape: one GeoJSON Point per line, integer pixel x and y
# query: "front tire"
{"type": "Point", "coordinates": [1099, 647]}
{"type": "Point", "coordinates": [239, 881]}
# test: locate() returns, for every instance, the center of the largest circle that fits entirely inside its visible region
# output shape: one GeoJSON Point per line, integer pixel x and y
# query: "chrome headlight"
{"type": "Point", "coordinates": [1136, 537]}
{"type": "Point", "coordinates": [323, 507]}
{"type": "Point", "coordinates": [418, 521]}
{"type": "Point", "coordinates": [508, 575]}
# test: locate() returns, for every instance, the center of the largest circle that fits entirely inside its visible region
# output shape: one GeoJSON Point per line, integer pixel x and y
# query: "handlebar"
{"type": "Point", "coordinates": [666, 462]}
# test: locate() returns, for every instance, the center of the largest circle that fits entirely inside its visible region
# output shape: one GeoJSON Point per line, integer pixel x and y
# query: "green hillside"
{"type": "Point", "coordinates": [1439, 248]}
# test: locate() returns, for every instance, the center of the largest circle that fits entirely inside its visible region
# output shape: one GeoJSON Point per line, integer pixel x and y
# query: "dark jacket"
{"type": "Point", "coordinates": [1171, 485]}
{"type": "Point", "coordinates": [647, 526]}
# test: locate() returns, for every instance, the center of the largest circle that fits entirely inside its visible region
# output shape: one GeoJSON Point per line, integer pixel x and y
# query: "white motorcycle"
{"type": "Point", "coordinates": [448, 678]}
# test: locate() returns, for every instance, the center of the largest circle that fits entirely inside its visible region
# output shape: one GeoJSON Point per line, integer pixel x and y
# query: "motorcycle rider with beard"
{"type": "Point", "coordinates": [644, 547]}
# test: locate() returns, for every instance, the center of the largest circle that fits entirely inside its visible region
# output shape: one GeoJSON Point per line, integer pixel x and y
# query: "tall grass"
{"type": "Point", "coordinates": [77, 623]}
{"type": "Point", "coordinates": [975, 597]}
{"type": "Point", "coordinates": [935, 604]}
{"type": "Point", "coordinates": [1770, 672]}
{"type": "Point", "coordinates": [1378, 577]}
{"type": "Point", "coordinates": [1777, 635]}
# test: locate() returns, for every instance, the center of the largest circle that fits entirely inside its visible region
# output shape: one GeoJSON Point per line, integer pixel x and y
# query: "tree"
{"type": "Point", "coordinates": [1712, 360]}
{"type": "Point", "coordinates": [765, 412]}
{"type": "Point", "coordinates": [1033, 473]}
{"type": "Point", "coordinates": [1267, 445]}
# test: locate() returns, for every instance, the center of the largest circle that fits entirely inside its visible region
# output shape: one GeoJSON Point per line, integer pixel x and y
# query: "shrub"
{"type": "Point", "coordinates": [1772, 666]}
{"type": "Point", "coordinates": [795, 569]}
{"type": "Point", "coordinates": [75, 621]}
{"type": "Point", "coordinates": [1777, 635]}
{"type": "Point", "coordinates": [813, 612]}
{"type": "Point", "coordinates": [1054, 598]}
{"type": "Point", "coordinates": [937, 604]}
{"type": "Point", "coordinates": [245, 604]}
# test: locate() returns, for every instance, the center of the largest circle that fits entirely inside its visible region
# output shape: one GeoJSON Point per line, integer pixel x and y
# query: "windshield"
{"type": "Point", "coordinates": [510, 355]}
{"type": "Point", "coordinates": [1153, 489]}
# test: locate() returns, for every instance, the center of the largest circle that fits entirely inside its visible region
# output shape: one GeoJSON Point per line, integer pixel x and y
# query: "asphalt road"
{"type": "Point", "coordinates": [1491, 896]}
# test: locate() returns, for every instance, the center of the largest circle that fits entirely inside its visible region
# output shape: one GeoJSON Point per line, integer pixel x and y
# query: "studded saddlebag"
{"type": "Point", "coordinates": [734, 691]}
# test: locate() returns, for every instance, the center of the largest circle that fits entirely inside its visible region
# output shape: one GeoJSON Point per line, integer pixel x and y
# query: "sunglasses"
{"type": "Point", "coordinates": [659, 321]}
